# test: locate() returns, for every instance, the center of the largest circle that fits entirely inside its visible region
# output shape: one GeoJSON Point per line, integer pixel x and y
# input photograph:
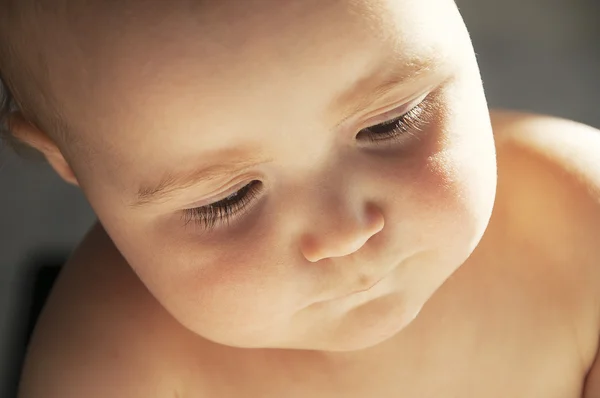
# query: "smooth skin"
{"type": "Point", "coordinates": [452, 261]}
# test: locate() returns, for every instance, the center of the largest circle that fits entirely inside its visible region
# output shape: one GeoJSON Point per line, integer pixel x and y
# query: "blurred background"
{"type": "Point", "coordinates": [535, 55]}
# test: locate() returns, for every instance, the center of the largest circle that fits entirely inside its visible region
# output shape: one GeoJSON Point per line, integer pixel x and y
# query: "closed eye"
{"type": "Point", "coordinates": [401, 127]}
{"type": "Point", "coordinates": [225, 209]}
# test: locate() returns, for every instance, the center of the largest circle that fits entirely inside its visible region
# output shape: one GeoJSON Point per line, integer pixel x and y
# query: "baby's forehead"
{"type": "Point", "coordinates": [127, 66]}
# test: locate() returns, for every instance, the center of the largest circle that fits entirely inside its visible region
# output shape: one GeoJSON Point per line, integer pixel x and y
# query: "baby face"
{"type": "Point", "coordinates": [299, 174]}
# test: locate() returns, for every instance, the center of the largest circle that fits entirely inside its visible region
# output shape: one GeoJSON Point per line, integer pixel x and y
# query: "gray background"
{"type": "Point", "coordinates": [536, 55]}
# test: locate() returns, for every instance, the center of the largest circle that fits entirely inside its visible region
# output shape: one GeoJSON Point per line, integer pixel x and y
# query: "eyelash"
{"type": "Point", "coordinates": [413, 120]}
{"type": "Point", "coordinates": [223, 211]}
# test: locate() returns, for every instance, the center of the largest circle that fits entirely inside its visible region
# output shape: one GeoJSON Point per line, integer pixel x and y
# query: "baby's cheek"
{"type": "Point", "coordinates": [447, 197]}
{"type": "Point", "coordinates": [232, 300]}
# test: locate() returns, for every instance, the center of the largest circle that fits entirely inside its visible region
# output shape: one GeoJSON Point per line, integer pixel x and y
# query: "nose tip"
{"type": "Point", "coordinates": [342, 239]}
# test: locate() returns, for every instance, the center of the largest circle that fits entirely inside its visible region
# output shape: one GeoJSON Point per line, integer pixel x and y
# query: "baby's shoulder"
{"type": "Point", "coordinates": [549, 190]}
{"type": "Point", "coordinates": [566, 147]}
{"type": "Point", "coordinates": [544, 155]}
{"type": "Point", "coordinates": [549, 170]}
{"type": "Point", "coordinates": [101, 334]}
{"type": "Point", "coordinates": [549, 178]}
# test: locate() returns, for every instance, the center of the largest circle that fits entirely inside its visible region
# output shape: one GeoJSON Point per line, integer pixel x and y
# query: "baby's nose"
{"type": "Point", "coordinates": [342, 233]}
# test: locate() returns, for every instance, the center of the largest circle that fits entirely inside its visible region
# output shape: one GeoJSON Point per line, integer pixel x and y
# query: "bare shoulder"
{"type": "Point", "coordinates": [549, 171]}
{"type": "Point", "coordinates": [571, 146]}
{"type": "Point", "coordinates": [557, 161]}
{"type": "Point", "coordinates": [101, 333]}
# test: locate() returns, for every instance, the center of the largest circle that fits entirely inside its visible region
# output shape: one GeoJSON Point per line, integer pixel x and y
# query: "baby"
{"type": "Point", "coordinates": [301, 199]}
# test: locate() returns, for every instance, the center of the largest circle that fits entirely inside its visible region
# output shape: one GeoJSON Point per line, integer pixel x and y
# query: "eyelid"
{"type": "Point", "coordinates": [225, 210]}
{"type": "Point", "coordinates": [221, 194]}
{"type": "Point", "coordinates": [394, 110]}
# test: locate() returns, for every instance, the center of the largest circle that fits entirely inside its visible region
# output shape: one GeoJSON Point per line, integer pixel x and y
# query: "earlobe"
{"type": "Point", "coordinates": [30, 135]}
{"type": "Point", "coordinates": [60, 165]}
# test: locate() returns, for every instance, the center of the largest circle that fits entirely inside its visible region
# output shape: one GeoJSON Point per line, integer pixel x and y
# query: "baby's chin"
{"type": "Point", "coordinates": [367, 325]}
{"type": "Point", "coordinates": [373, 323]}
{"type": "Point", "coordinates": [364, 326]}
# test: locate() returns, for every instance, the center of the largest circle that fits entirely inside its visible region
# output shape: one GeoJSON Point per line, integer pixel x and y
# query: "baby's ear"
{"type": "Point", "coordinates": [30, 135]}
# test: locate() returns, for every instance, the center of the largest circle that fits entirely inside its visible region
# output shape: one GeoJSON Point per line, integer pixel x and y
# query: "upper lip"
{"type": "Point", "coordinates": [371, 285]}
{"type": "Point", "coordinates": [367, 288]}
{"type": "Point", "coordinates": [364, 289]}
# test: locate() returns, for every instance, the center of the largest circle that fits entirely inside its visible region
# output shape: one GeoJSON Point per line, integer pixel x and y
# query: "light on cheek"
{"type": "Point", "coordinates": [442, 177]}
